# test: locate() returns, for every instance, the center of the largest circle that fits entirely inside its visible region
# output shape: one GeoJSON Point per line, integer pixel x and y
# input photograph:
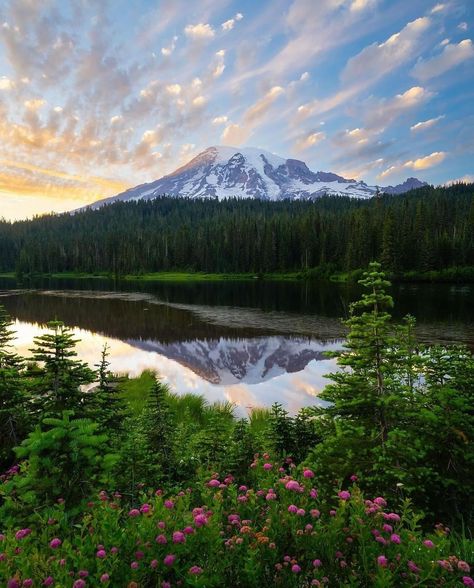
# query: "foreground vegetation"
{"type": "Point", "coordinates": [427, 230]}
{"type": "Point", "coordinates": [108, 487]}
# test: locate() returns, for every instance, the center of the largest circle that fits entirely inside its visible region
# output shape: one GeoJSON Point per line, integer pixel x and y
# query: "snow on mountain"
{"type": "Point", "coordinates": [226, 172]}
{"type": "Point", "coordinates": [409, 184]}
{"type": "Point", "coordinates": [253, 360]}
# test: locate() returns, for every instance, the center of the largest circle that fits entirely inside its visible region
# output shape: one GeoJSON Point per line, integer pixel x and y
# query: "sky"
{"type": "Point", "coordinates": [97, 96]}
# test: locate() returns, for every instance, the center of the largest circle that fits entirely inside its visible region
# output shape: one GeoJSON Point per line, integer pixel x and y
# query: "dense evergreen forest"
{"type": "Point", "coordinates": [427, 229]}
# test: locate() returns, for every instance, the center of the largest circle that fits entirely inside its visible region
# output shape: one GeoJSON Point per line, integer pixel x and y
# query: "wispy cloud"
{"type": "Point", "coordinates": [451, 56]}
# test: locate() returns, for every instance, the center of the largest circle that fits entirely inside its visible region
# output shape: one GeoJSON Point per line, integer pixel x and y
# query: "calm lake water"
{"type": "Point", "coordinates": [252, 343]}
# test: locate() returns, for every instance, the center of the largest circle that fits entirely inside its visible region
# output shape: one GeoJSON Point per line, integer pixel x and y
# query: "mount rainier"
{"type": "Point", "coordinates": [226, 172]}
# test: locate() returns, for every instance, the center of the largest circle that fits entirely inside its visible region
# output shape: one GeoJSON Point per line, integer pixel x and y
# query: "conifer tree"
{"type": "Point", "coordinates": [59, 386]}
{"type": "Point", "coordinates": [105, 402]}
{"type": "Point", "coordinates": [12, 398]}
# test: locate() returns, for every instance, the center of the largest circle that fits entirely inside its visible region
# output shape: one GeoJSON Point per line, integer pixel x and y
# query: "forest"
{"type": "Point", "coordinates": [429, 229]}
{"type": "Point", "coordinates": [115, 481]}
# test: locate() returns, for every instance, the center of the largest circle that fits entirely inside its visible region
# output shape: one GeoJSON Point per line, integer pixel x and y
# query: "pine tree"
{"type": "Point", "coordinates": [59, 387]}
{"type": "Point", "coordinates": [13, 420]}
{"type": "Point", "coordinates": [105, 403]}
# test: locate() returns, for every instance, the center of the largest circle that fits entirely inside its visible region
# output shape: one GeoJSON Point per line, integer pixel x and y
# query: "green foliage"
{"type": "Point", "coordinates": [62, 374]}
{"type": "Point", "coordinates": [219, 534]}
{"type": "Point", "coordinates": [62, 459]}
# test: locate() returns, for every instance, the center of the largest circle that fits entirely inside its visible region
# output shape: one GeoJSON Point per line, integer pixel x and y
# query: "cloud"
{"type": "Point", "coordinates": [173, 89]}
{"type": "Point", "coordinates": [357, 5]}
{"type": "Point", "coordinates": [261, 107]}
{"type": "Point", "coordinates": [438, 8]}
{"type": "Point", "coordinates": [309, 140]}
{"type": "Point", "coordinates": [418, 164]}
{"type": "Point", "coordinates": [228, 25]}
{"type": "Point", "coordinates": [167, 51]}
{"type": "Point", "coordinates": [219, 65]}
{"type": "Point", "coordinates": [467, 179]}
{"type": "Point", "coordinates": [462, 26]}
{"type": "Point", "coordinates": [379, 59]}
{"type": "Point", "coordinates": [199, 32]}
{"type": "Point", "coordinates": [426, 124]}
{"type": "Point", "coordinates": [381, 114]}
{"type": "Point", "coordinates": [34, 104]}
{"type": "Point", "coordinates": [6, 83]}
{"type": "Point", "coordinates": [234, 134]}
{"type": "Point", "coordinates": [451, 56]}
{"type": "Point", "coordinates": [219, 120]}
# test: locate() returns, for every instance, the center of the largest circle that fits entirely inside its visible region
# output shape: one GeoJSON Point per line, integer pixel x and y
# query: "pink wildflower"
{"type": "Point", "coordinates": [468, 581]}
{"type": "Point", "coordinates": [79, 584]}
{"type": "Point", "coordinates": [463, 566]}
{"type": "Point", "coordinates": [145, 508]}
{"type": "Point", "coordinates": [27, 583]}
{"type": "Point", "coordinates": [134, 565]}
{"type": "Point", "coordinates": [301, 512]}
{"type": "Point", "coordinates": [308, 473]}
{"type": "Point", "coordinates": [49, 581]}
{"type": "Point", "coordinates": [293, 485]}
{"type": "Point", "coordinates": [314, 512]}
{"type": "Point", "coordinates": [179, 537]}
{"type": "Point", "coordinates": [200, 520]}
{"type": "Point", "coordinates": [313, 493]}
{"type": "Point", "coordinates": [295, 568]}
{"type": "Point", "coordinates": [195, 570]}
{"type": "Point", "coordinates": [101, 554]}
{"type": "Point", "coordinates": [188, 530]}
{"type": "Point", "coordinates": [267, 466]}
{"type": "Point", "coordinates": [382, 561]}
{"type": "Point", "coordinates": [293, 509]}
{"type": "Point", "coordinates": [161, 539]}
{"type": "Point", "coordinates": [22, 533]}
{"type": "Point", "coordinates": [104, 578]}
{"type": "Point", "coordinates": [55, 543]}
{"type": "Point", "coordinates": [379, 501]}
{"type": "Point", "coordinates": [354, 478]}
{"type": "Point", "coordinates": [169, 560]}
{"type": "Point", "coordinates": [344, 495]}
{"type": "Point", "coordinates": [413, 567]}
{"type": "Point", "coordinates": [213, 483]}
{"type": "Point", "coordinates": [428, 543]}
{"type": "Point", "coordinates": [169, 504]}
{"type": "Point", "coordinates": [332, 513]}
{"type": "Point", "coordinates": [134, 512]}
{"type": "Point", "coordinates": [153, 564]}
{"type": "Point", "coordinates": [394, 538]}
{"type": "Point", "coordinates": [317, 563]}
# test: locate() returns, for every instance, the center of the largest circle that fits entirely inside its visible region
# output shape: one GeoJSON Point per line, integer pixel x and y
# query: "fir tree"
{"type": "Point", "coordinates": [62, 377]}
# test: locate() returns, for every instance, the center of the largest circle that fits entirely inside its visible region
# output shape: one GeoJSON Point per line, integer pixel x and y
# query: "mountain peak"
{"type": "Point", "coordinates": [222, 171]}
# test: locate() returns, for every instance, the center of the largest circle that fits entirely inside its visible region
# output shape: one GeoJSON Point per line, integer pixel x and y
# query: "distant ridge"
{"type": "Point", "coordinates": [226, 172]}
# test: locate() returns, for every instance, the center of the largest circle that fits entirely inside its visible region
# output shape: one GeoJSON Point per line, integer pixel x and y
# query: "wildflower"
{"type": "Point", "coordinates": [309, 527]}
{"type": "Point", "coordinates": [271, 496]}
{"type": "Point", "coordinates": [293, 485]}
{"type": "Point", "coordinates": [295, 568]}
{"type": "Point", "coordinates": [139, 555]}
{"type": "Point", "coordinates": [27, 583]}
{"type": "Point", "coordinates": [114, 550]}
{"type": "Point", "coordinates": [161, 525]}
{"type": "Point", "coordinates": [463, 566]}
{"type": "Point", "coordinates": [12, 583]}
{"type": "Point", "coordinates": [392, 517]}
{"type": "Point", "coordinates": [49, 581]}
{"type": "Point", "coordinates": [200, 520]}
{"type": "Point", "coordinates": [387, 528]}
{"type": "Point", "coordinates": [242, 499]}
{"type": "Point", "coordinates": [394, 538]}
{"type": "Point", "coordinates": [317, 563]}
{"type": "Point", "coordinates": [83, 573]}
{"type": "Point", "coordinates": [169, 504]}
{"type": "Point", "coordinates": [62, 562]}
{"type": "Point", "coordinates": [145, 508]}
{"type": "Point", "coordinates": [313, 493]}
{"type": "Point", "coordinates": [293, 509]}
{"type": "Point", "coordinates": [79, 584]}
{"type": "Point", "coordinates": [354, 478]}
{"type": "Point", "coordinates": [165, 585]}
{"type": "Point", "coordinates": [382, 561]}
{"type": "Point", "coordinates": [22, 533]}
{"type": "Point", "coordinates": [213, 483]}
{"type": "Point", "coordinates": [188, 530]}
{"type": "Point", "coordinates": [332, 513]}
{"type": "Point", "coordinates": [169, 560]}
{"type": "Point", "coordinates": [245, 529]}
{"type": "Point", "coordinates": [314, 512]}
{"type": "Point", "coordinates": [55, 543]}
{"type": "Point", "coordinates": [413, 567]}
{"type": "Point", "coordinates": [195, 570]}
{"type": "Point", "coordinates": [101, 554]}
{"type": "Point", "coordinates": [308, 473]}
{"type": "Point", "coordinates": [242, 488]}
{"type": "Point", "coordinates": [379, 501]}
{"type": "Point", "coordinates": [154, 564]}
{"type": "Point", "coordinates": [104, 578]}
{"type": "Point", "coordinates": [134, 512]}
{"type": "Point", "coordinates": [468, 581]}
{"type": "Point", "coordinates": [381, 540]}
{"type": "Point", "coordinates": [301, 512]}
{"type": "Point", "coordinates": [344, 495]}
{"type": "Point", "coordinates": [267, 466]}
{"type": "Point", "coordinates": [428, 543]}
{"type": "Point", "coordinates": [134, 565]}
{"type": "Point", "coordinates": [179, 537]}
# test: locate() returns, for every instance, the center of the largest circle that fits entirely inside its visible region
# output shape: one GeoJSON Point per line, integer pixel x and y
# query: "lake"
{"type": "Point", "coordinates": [252, 343]}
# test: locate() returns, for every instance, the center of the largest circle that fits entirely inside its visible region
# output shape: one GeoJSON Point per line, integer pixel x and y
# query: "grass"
{"type": "Point", "coordinates": [136, 390]}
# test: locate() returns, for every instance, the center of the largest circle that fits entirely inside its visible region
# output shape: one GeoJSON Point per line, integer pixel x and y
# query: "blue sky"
{"type": "Point", "coordinates": [98, 96]}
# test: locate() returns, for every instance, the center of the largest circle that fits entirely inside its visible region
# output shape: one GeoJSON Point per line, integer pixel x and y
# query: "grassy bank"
{"type": "Point", "coordinates": [448, 275]}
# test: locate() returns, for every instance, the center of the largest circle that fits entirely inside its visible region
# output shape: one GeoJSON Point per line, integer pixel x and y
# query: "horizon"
{"type": "Point", "coordinates": [100, 97]}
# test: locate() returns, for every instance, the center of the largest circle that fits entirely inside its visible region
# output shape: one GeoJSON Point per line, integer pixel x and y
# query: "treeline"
{"type": "Point", "coordinates": [425, 230]}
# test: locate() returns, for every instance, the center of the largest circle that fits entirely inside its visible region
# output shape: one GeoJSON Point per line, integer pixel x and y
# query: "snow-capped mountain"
{"type": "Point", "coordinates": [226, 172]}
{"type": "Point", "coordinates": [408, 184]}
{"type": "Point", "coordinates": [230, 361]}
